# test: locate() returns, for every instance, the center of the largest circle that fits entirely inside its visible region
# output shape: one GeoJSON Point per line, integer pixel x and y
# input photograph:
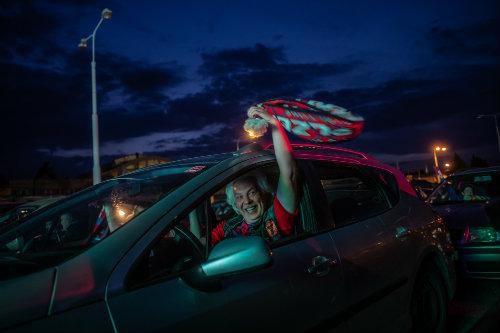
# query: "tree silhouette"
{"type": "Point", "coordinates": [458, 163]}
{"type": "Point", "coordinates": [46, 171]}
{"type": "Point", "coordinates": [477, 162]}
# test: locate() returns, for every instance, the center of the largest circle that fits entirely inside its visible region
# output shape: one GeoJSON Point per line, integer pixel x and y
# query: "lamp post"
{"type": "Point", "coordinates": [436, 164]}
{"type": "Point", "coordinates": [494, 115]}
{"type": "Point", "coordinates": [96, 171]}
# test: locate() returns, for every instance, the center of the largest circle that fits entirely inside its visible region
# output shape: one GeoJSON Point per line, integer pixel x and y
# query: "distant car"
{"type": "Point", "coordinates": [469, 202]}
{"type": "Point", "coordinates": [5, 205]}
{"type": "Point", "coordinates": [22, 210]}
{"type": "Point", "coordinates": [133, 254]}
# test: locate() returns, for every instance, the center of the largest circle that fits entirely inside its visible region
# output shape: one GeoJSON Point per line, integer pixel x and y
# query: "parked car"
{"type": "Point", "coordinates": [469, 202]}
{"type": "Point", "coordinates": [366, 254]}
{"type": "Point", "coordinates": [6, 205]}
{"type": "Point", "coordinates": [22, 210]}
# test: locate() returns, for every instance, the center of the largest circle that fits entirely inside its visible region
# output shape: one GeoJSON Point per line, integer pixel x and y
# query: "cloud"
{"type": "Point", "coordinates": [398, 158]}
{"type": "Point", "coordinates": [462, 93]}
{"type": "Point", "coordinates": [259, 57]}
{"type": "Point", "coordinates": [138, 82]}
{"type": "Point", "coordinates": [479, 40]}
{"type": "Point", "coordinates": [407, 116]}
{"type": "Point", "coordinates": [257, 73]}
{"type": "Point", "coordinates": [23, 25]}
{"type": "Point", "coordinates": [151, 143]}
{"type": "Point", "coordinates": [53, 106]}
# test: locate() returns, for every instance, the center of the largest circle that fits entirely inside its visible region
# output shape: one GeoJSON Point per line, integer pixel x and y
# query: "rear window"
{"type": "Point", "coordinates": [389, 183]}
{"type": "Point", "coordinates": [478, 187]}
{"type": "Point", "coordinates": [352, 195]}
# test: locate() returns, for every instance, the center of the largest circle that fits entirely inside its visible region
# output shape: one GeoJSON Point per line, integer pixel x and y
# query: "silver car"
{"type": "Point", "coordinates": [134, 254]}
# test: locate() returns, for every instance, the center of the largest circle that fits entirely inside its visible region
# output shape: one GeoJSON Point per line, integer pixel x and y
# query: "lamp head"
{"type": "Point", "coordinates": [106, 13]}
{"type": "Point", "coordinates": [83, 43]}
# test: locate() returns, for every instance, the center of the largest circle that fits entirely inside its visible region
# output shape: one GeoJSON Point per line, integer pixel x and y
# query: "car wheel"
{"type": "Point", "coordinates": [428, 304]}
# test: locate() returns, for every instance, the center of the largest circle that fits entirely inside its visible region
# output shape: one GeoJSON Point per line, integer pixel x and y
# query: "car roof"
{"type": "Point", "coordinates": [313, 151]}
{"type": "Point", "coordinates": [327, 150]}
{"type": "Point", "coordinates": [41, 202]}
{"type": "Point", "coordinates": [205, 160]}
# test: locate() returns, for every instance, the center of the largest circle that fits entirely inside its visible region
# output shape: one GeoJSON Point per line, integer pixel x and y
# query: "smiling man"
{"type": "Point", "coordinates": [248, 195]}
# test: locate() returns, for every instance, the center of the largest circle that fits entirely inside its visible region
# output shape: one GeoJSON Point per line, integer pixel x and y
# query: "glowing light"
{"type": "Point", "coordinates": [252, 134]}
{"type": "Point", "coordinates": [121, 213]}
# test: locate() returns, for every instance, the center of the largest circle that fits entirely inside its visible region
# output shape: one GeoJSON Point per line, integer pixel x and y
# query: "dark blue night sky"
{"type": "Point", "coordinates": [175, 77]}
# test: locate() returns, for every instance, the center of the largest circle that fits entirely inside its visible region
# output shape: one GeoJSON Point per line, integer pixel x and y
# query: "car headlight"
{"type": "Point", "coordinates": [480, 235]}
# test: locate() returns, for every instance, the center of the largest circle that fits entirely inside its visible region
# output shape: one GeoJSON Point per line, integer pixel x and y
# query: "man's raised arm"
{"type": "Point", "coordinates": [287, 189]}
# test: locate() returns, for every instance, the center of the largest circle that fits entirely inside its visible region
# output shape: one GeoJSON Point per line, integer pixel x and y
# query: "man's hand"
{"type": "Point", "coordinates": [255, 111]}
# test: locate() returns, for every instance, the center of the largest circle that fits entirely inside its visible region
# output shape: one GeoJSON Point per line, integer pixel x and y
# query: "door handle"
{"type": "Point", "coordinates": [401, 232]}
{"type": "Point", "coordinates": [320, 266]}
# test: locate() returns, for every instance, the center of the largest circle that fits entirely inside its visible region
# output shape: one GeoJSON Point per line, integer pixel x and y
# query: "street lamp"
{"type": "Point", "coordinates": [494, 115]}
{"type": "Point", "coordinates": [436, 164]}
{"type": "Point", "coordinates": [96, 172]}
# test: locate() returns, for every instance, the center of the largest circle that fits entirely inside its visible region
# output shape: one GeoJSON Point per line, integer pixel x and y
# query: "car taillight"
{"type": "Point", "coordinates": [480, 235]}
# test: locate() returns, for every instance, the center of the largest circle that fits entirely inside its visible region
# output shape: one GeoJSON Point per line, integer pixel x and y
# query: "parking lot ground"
{"type": "Point", "coordinates": [475, 307]}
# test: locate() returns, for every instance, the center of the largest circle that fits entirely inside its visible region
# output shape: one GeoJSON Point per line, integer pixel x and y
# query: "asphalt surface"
{"type": "Point", "coordinates": [475, 307]}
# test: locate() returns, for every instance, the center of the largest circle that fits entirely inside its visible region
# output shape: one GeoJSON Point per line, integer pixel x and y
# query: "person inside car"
{"type": "Point", "coordinates": [247, 195]}
{"type": "Point", "coordinates": [72, 230]}
{"type": "Point", "coordinates": [469, 195]}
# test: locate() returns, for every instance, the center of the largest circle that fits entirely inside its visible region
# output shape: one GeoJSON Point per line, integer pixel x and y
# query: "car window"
{"type": "Point", "coordinates": [189, 239]}
{"type": "Point", "coordinates": [474, 187]}
{"type": "Point", "coordinates": [180, 247]}
{"type": "Point", "coordinates": [388, 183]}
{"type": "Point", "coordinates": [87, 218]}
{"type": "Point", "coordinates": [251, 208]}
{"type": "Point", "coordinates": [352, 195]}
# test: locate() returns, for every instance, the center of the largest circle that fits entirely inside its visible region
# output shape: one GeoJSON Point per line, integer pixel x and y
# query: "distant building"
{"type": "Point", "coordinates": [18, 188]}
{"type": "Point", "coordinates": [130, 163]}
{"type": "Point", "coordinates": [45, 186]}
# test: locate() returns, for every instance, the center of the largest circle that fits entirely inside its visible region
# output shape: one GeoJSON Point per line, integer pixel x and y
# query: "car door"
{"type": "Point", "coordinates": [367, 252]}
{"type": "Point", "coordinates": [295, 293]}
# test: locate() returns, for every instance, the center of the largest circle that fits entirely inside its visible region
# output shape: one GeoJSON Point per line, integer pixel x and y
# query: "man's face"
{"type": "Point", "coordinates": [249, 200]}
{"type": "Point", "coordinates": [65, 221]}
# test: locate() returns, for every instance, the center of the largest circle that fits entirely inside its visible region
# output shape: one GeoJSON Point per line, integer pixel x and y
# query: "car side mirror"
{"type": "Point", "coordinates": [231, 256]}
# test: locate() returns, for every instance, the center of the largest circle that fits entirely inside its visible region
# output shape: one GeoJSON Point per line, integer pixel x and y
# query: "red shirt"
{"type": "Point", "coordinates": [284, 219]}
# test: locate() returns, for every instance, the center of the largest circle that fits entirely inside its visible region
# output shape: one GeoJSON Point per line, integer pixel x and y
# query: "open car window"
{"type": "Point", "coordinates": [87, 218]}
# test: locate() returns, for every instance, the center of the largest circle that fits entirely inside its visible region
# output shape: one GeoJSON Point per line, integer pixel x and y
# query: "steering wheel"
{"type": "Point", "coordinates": [29, 244]}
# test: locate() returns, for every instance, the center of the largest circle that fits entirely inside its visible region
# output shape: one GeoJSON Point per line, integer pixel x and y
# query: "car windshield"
{"type": "Point", "coordinates": [20, 212]}
{"type": "Point", "coordinates": [474, 187]}
{"type": "Point", "coordinates": [53, 234]}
